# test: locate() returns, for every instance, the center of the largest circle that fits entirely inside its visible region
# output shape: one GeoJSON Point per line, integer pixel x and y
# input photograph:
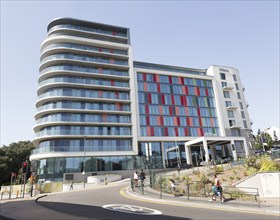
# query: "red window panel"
{"type": "Point", "coordinates": [178, 121]}
{"type": "Point", "coordinates": [100, 49]}
{"type": "Point", "coordinates": [165, 131]}
{"type": "Point", "coordinates": [200, 122]}
{"type": "Point", "coordinates": [158, 78]}
{"type": "Point", "coordinates": [175, 121]}
{"type": "Point", "coordinates": [112, 51]}
{"type": "Point", "coordinates": [112, 82]}
{"type": "Point", "coordinates": [147, 109]}
{"type": "Point", "coordinates": [147, 120]}
{"type": "Point", "coordinates": [186, 132]}
{"type": "Point", "coordinates": [177, 110]}
{"type": "Point", "coordinates": [155, 77]}
{"type": "Point", "coordinates": [148, 131]}
{"type": "Point", "coordinates": [114, 33]}
{"type": "Point", "coordinates": [202, 132]}
{"type": "Point", "coordinates": [117, 95]}
{"type": "Point", "coordinates": [158, 120]}
{"type": "Point", "coordinates": [161, 121]}
{"type": "Point", "coordinates": [100, 70]}
{"type": "Point", "coordinates": [198, 132]}
{"type": "Point", "coordinates": [170, 110]}
{"type": "Point", "coordinates": [182, 101]}
{"type": "Point", "coordinates": [176, 132]}
{"type": "Point", "coordinates": [144, 77]}
{"type": "Point", "coordinates": [181, 80]}
{"type": "Point", "coordinates": [206, 91]}
{"type": "Point", "coordinates": [188, 122]}
{"type": "Point", "coordinates": [152, 131]}
{"type": "Point", "coordinates": [191, 121]}
{"type": "Point", "coordinates": [195, 91]}
{"type": "Point", "coordinates": [112, 61]}
{"type": "Point", "coordinates": [160, 110]}
{"type": "Point", "coordinates": [184, 89]}
{"type": "Point", "coordinates": [187, 90]}
{"type": "Point", "coordinates": [158, 88]}
{"type": "Point", "coordinates": [162, 99]}
{"type": "Point", "coordinates": [172, 100]}
{"type": "Point", "coordinates": [145, 86]}
{"type": "Point", "coordinates": [149, 97]}
{"type": "Point", "coordinates": [186, 111]}
{"type": "Point", "coordinates": [198, 111]}
{"type": "Point", "coordinates": [118, 106]}
{"type": "Point", "coordinates": [170, 79]}
{"type": "Point", "coordinates": [198, 91]}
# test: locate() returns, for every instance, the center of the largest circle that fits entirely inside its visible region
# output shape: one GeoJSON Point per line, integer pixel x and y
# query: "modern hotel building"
{"type": "Point", "coordinates": [100, 111]}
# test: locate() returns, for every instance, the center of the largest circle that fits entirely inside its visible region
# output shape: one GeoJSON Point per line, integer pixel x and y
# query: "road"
{"type": "Point", "coordinates": [87, 204]}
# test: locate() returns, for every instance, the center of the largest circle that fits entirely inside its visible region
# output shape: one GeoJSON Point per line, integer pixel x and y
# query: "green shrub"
{"type": "Point", "coordinates": [218, 169]}
{"type": "Point", "coordinates": [266, 164]}
{"type": "Point", "coordinates": [251, 171]}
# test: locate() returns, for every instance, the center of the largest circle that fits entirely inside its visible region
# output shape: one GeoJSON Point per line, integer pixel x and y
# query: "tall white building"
{"type": "Point", "coordinates": [100, 111]}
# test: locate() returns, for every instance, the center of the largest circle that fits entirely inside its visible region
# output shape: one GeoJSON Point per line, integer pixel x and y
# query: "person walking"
{"type": "Point", "coordinates": [142, 177]}
{"type": "Point", "coordinates": [217, 190]}
{"type": "Point", "coordinates": [172, 186]}
{"type": "Point", "coordinates": [71, 186]}
{"type": "Point", "coordinates": [135, 177]}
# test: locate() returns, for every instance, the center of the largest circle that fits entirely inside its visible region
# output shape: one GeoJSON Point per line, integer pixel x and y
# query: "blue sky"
{"type": "Point", "coordinates": [197, 34]}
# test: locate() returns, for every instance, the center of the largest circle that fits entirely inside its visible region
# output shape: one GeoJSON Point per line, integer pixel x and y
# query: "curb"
{"type": "Point", "coordinates": [126, 193]}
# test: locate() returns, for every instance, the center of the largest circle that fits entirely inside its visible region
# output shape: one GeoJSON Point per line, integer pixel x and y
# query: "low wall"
{"type": "Point", "coordinates": [268, 184]}
{"type": "Point", "coordinates": [92, 181]}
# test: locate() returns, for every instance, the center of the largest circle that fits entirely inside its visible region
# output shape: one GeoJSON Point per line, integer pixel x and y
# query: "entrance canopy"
{"type": "Point", "coordinates": [211, 142]}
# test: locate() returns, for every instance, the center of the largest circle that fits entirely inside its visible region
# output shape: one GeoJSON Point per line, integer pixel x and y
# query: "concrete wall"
{"type": "Point", "coordinates": [268, 184]}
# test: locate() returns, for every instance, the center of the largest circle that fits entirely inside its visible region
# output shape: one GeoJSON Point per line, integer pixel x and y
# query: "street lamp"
{"type": "Point", "coordinates": [84, 170]}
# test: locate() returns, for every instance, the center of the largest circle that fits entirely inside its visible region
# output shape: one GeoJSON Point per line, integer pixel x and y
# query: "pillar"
{"type": "Point", "coordinates": [188, 154]}
{"type": "Point", "coordinates": [233, 149]}
{"type": "Point", "coordinates": [206, 151]}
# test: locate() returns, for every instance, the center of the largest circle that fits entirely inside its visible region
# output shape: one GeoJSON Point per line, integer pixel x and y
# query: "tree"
{"type": "Point", "coordinates": [11, 158]}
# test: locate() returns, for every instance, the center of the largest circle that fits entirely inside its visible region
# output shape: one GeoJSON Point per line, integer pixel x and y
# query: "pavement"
{"type": "Point", "coordinates": [267, 205]}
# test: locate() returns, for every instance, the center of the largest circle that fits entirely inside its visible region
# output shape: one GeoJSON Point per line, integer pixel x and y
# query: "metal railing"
{"type": "Point", "coordinates": [186, 190]}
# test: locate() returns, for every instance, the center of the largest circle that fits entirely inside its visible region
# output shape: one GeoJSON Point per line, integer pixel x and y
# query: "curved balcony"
{"type": "Point", "coordinates": [56, 60]}
{"type": "Point", "coordinates": [74, 69]}
{"type": "Point", "coordinates": [44, 100]}
{"type": "Point", "coordinates": [72, 81]}
{"type": "Point", "coordinates": [72, 30]}
{"type": "Point", "coordinates": [87, 29]}
{"type": "Point", "coordinates": [90, 50]}
{"type": "Point", "coordinates": [84, 93]}
{"type": "Point", "coordinates": [85, 58]}
{"type": "Point", "coordinates": [37, 140]}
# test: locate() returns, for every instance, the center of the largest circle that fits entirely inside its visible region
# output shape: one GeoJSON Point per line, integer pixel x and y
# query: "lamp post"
{"type": "Point", "coordinates": [84, 170]}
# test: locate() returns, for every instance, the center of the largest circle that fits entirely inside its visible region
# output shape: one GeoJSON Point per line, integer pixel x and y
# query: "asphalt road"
{"type": "Point", "coordinates": [87, 204]}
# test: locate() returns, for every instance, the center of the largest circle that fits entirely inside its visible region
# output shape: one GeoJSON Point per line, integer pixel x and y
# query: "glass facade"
{"type": "Point", "coordinates": [176, 106]}
{"type": "Point", "coordinates": [84, 102]}
{"type": "Point", "coordinates": [52, 169]}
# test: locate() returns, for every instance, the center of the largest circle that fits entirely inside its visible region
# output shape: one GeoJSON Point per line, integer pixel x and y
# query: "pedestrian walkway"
{"type": "Point", "coordinates": [269, 207]}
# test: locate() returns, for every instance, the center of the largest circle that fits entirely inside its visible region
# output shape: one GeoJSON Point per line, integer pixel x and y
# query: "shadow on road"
{"type": "Point", "coordinates": [94, 212]}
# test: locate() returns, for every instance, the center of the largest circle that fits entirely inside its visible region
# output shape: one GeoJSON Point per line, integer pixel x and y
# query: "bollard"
{"type": "Point", "coordinates": [106, 181]}
{"type": "Point", "coordinates": [2, 195]}
{"type": "Point", "coordinates": [17, 193]}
